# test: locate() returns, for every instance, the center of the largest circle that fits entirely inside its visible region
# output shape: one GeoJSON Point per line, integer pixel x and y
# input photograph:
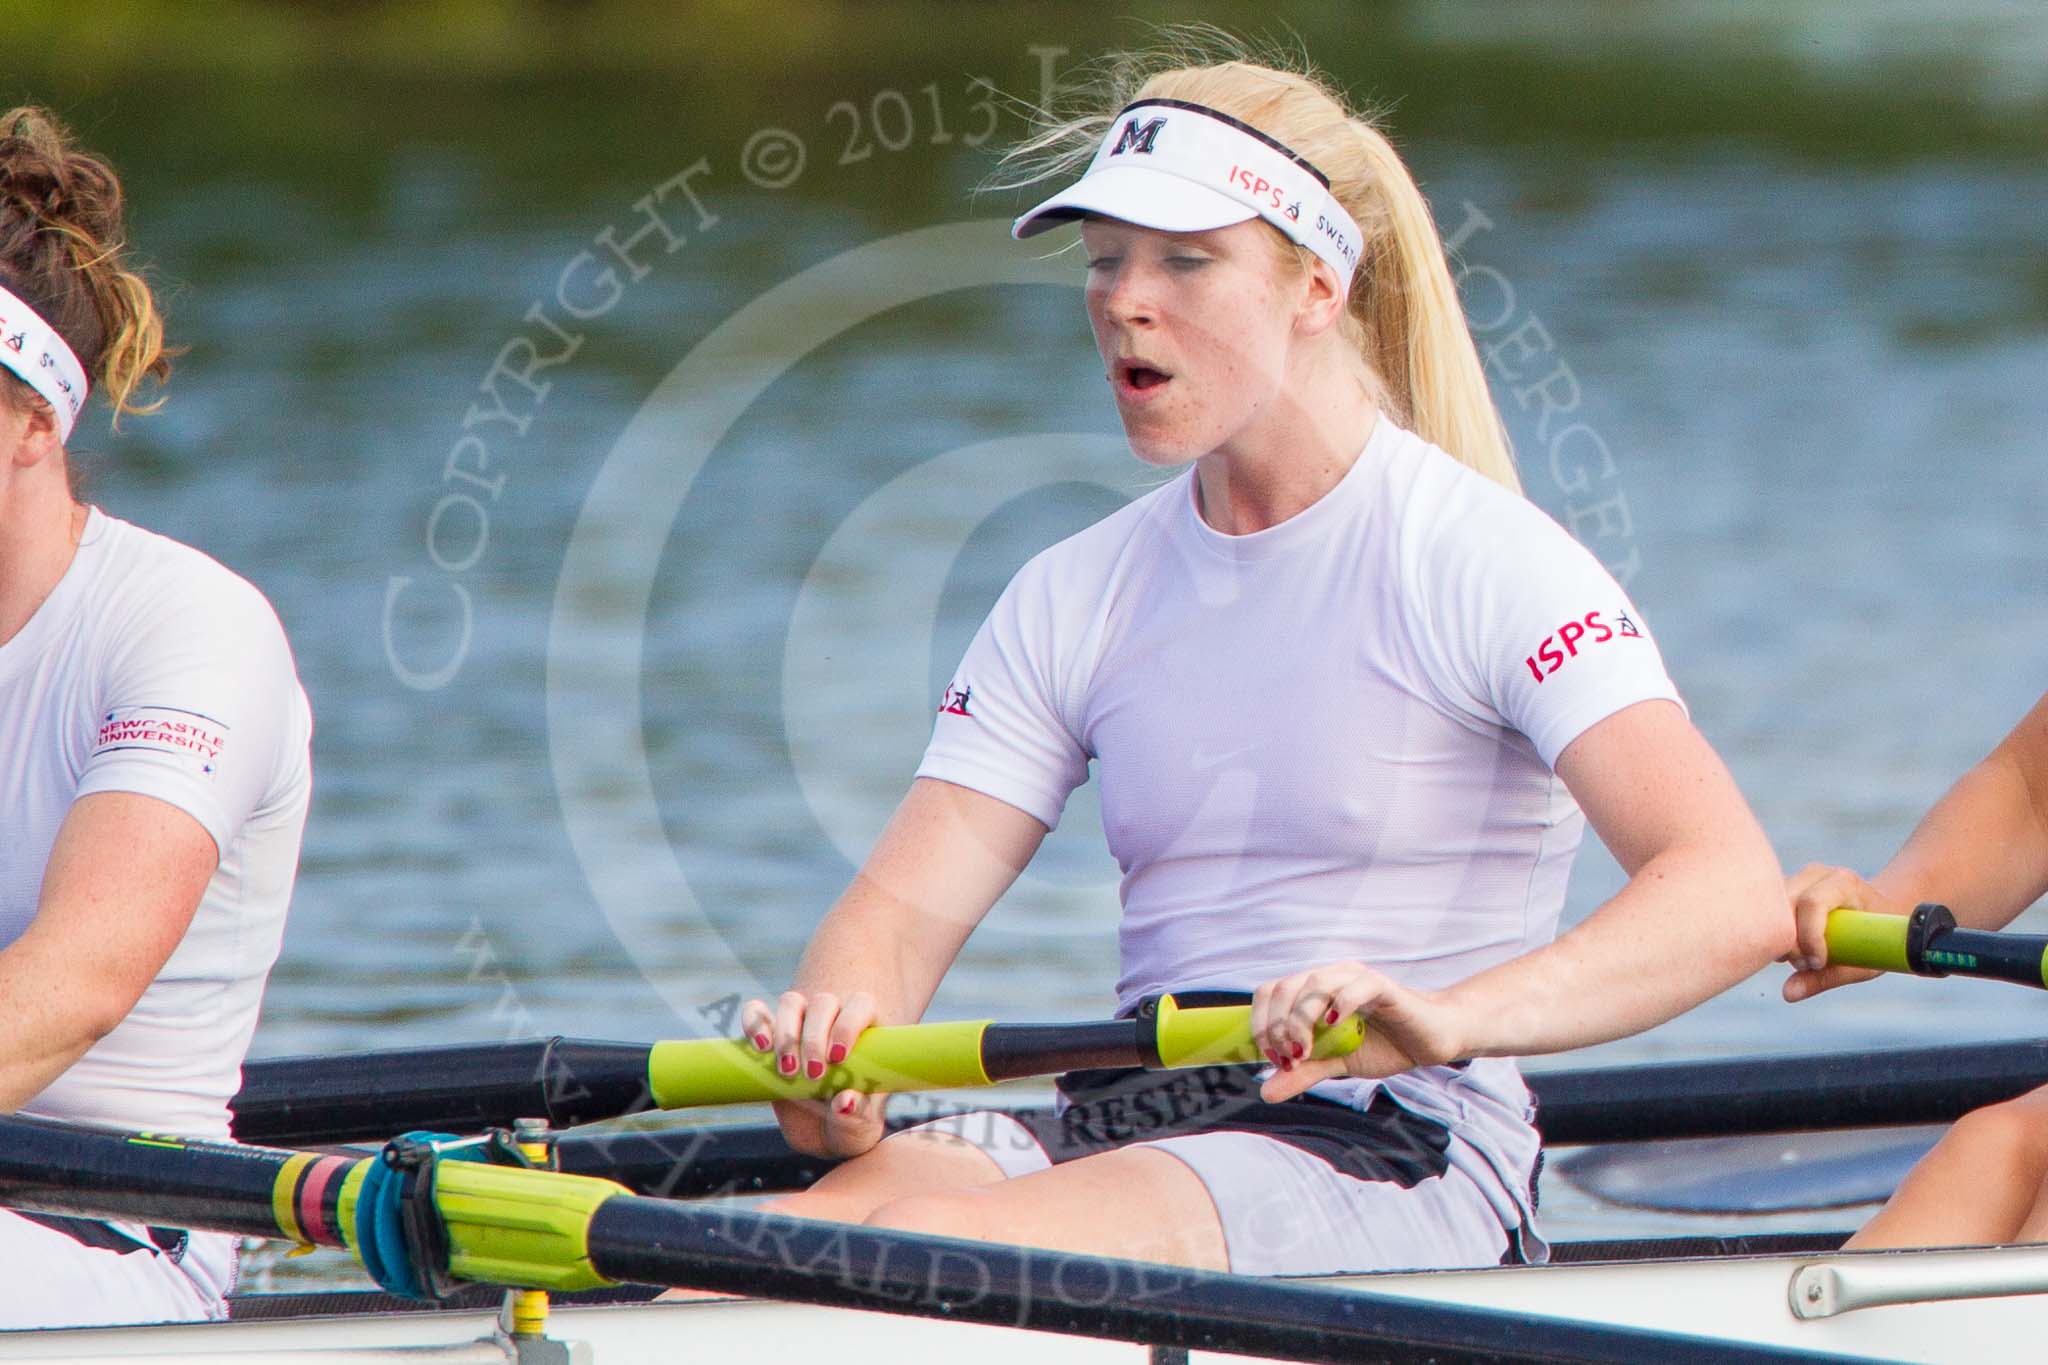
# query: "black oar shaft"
{"type": "Point", "coordinates": [523, 1227]}
{"type": "Point", "coordinates": [1013, 1051]}
{"type": "Point", "coordinates": [1975, 952]}
{"type": "Point", "coordinates": [1783, 1094]}
{"type": "Point", "coordinates": [568, 1082]}
{"type": "Point", "coordinates": [658, 1242]}
{"type": "Point", "coordinates": [56, 1168]}
{"type": "Point", "coordinates": [464, 1089]}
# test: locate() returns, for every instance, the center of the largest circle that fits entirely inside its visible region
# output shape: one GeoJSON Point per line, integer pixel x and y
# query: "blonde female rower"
{"type": "Point", "coordinates": [1983, 852]}
{"type": "Point", "coordinates": [153, 766]}
{"type": "Point", "coordinates": [1347, 694]}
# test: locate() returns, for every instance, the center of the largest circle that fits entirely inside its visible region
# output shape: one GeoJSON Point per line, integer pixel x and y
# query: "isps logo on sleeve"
{"type": "Point", "coordinates": [1564, 643]}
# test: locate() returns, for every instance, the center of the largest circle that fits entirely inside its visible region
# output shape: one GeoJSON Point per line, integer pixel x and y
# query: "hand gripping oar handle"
{"type": "Point", "coordinates": [945, 1056]}
{"type": "Point", "coordinates": [570, 1081]}
{"type": "Point", "coordinates": [1929, 943]}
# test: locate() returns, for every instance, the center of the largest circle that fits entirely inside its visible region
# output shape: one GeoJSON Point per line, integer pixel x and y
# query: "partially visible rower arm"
{"type": "Point", "coordinates": [1983, 849]}
{"type": "Point", "coordinates": [1704, 906]}
{"type": "Point", "coordinates": [124, 878]}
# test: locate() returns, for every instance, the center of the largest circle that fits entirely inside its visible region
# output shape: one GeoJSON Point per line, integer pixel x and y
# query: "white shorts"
{"type": "Point", "coordinates": [73, 1272]}
{"type": "Point", "coordinates": [1286, 1211]}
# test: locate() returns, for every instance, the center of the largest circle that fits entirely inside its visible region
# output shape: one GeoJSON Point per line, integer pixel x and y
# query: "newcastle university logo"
{"type": "Point", "coordinates": [1138, 137]}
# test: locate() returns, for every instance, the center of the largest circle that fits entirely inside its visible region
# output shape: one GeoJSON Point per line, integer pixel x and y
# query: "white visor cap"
{"type": "Point", "coordinates": [1181, 167]}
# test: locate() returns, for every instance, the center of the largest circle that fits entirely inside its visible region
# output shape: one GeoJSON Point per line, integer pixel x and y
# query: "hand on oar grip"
{"type": "Point", "coordinates": [1929, 942]}
{"type": "Point", "coordinates": [1223, 1033]}
{"type": "Point", "coordinates": [1818, 893]}
{"type": "Point", "coordinates": [809, 1037]}
{"type": "Point", "coordinates": [707, 1071]}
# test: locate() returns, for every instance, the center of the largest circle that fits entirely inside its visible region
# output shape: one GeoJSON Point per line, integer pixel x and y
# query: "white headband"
{"type": "Point", "coordinates": [1183, 167]}
{"type": "Point", "coordinates": [32, 349]}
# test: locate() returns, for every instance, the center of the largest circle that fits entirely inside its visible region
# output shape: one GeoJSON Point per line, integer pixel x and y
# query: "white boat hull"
{"type": "Point", "coordinates": [1728, 1299]}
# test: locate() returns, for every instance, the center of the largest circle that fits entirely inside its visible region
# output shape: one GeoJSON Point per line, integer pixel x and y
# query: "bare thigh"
{"type": "Point", "coordinates": [1982, 1183]}
{"type": "Point", "coordinates": [903, 1164]}
{"type": "Point", "coordinates": [1137, 1202]}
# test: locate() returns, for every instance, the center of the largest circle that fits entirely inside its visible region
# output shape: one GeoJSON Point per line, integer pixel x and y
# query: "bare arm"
{"type": "Point", "coordinates": [1982, 851]}
{"type": "Point", "coordinates": [124, 878]}
{"type": "Point", "coordinates": [1704, 908]}
{"type": "Point", "coordinates": [946, 857]}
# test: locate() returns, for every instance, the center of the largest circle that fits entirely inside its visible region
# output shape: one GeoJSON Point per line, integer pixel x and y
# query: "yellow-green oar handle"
{"type": "Point", "coordinates": [942, 1056]}
{"type": "Point", "coordinates": [947, 1056]}
{"type": "Point", "coordinates": [1223, 1033]}
{"type": "Point", "coordinates": [1859, 938]}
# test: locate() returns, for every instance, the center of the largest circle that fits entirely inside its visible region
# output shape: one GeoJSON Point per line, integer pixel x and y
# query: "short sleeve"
{"type": "Point", "coordinates": [200, 706]}
{"type": "Point", "coordinates": [1000, 728]}
{"type": "Point", "coordinates": [1526, 628]}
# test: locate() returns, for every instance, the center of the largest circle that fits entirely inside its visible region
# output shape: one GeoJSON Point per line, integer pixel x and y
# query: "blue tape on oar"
{"type": "Point", "coordinates": [381, 1243]}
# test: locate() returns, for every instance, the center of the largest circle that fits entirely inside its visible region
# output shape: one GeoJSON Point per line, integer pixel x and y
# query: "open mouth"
{"type": "Point", "coordinates": [1136, 377]}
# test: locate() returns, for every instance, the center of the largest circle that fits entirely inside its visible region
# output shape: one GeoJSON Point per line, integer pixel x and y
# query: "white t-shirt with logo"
{"type": "Point", "coordinates": [1331, 739]}
{"type": "Point", "coordinates": [150, 668]}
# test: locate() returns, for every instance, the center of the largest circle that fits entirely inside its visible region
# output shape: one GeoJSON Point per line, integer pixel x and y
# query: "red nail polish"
{"type": "Point", "coordinates": [1299, 1049]}
{"type": "Point", "coordinates": [837, 1054]}
{"type": "Point", "coordinates": [788, 1064]}
{"type": "Point", "coordinates": [1331, 1017]}
{"type": "Point", "coordinates": [1286, 1065]}
{"type": "Point", "coordinates": [815, 1070]}
{"type": "Point", "coordinates": [763, 1041]}
{"type": "Point", "coordinates": [845, 1106]}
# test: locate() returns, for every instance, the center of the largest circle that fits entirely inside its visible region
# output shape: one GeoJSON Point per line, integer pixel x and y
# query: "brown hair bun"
{"type": "Point", "coordinates": [61, 252]}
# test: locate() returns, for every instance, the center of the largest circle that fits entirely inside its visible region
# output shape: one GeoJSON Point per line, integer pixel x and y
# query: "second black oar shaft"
{"type": "Point", "coordinates": [505, 1225]}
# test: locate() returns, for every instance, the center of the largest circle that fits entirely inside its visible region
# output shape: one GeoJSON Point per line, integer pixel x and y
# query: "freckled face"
{"type": "Point", "coordinates": [1194, 329]}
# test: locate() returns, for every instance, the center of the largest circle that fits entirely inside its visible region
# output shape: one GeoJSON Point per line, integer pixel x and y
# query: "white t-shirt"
{"type": "Point", "coordinates": [1331, 739]}
{"type": "Point", "coordinates": [150, 668]}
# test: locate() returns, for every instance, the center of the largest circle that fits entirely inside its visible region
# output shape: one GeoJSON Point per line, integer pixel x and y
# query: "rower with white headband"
{"type": "Point", "coordinates": [155, 743]}
{"type": "Point", "coordinates": [1349, 700]}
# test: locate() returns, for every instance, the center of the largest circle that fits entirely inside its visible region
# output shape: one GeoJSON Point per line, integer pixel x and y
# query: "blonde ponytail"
{"type": "Point", "coordinates": [1404, 317]}
{"type": "Point", "coordinates": [1412, 323]}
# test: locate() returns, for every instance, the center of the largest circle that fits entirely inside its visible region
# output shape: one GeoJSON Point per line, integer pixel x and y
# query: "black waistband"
{"type": "Point", "coordinates": [106, 1237]}
{"type": "Point", "coordinates": [1195, 1000]}
{"type": "Point", "coordinates": [1113, 1108]}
